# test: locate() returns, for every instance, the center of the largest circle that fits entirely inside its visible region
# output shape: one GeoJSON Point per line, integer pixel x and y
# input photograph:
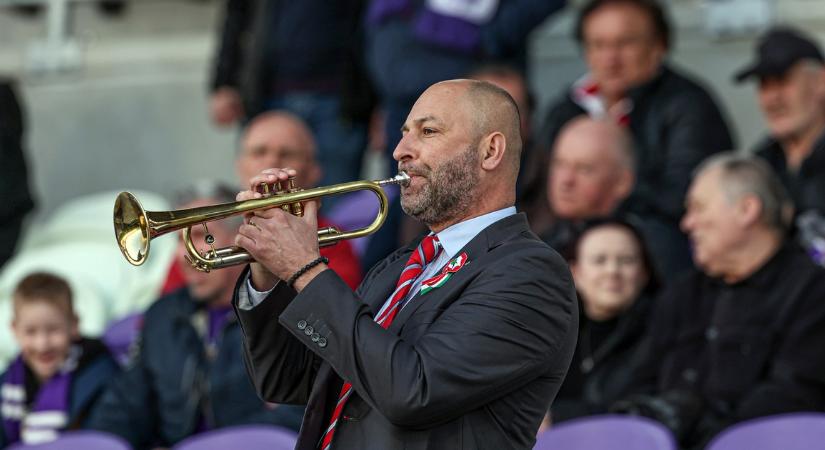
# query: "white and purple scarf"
{"type": "Point", "coordinates": [453, 24]}
{"type": "Point", "coordinates": [585, 93]}
{"type": "Point", "coordinates": [49, 413]}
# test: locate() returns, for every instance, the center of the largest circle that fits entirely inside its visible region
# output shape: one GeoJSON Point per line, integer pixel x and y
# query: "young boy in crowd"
{"type": "Point", "coordinates": [56, 378]}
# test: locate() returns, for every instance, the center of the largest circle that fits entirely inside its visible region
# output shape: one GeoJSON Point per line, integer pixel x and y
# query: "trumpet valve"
{"type": "Point", "coordinates": [263, 188]}
{"type": "Point", "coordinates": [297, 209]}
{"type": "Point", "coordinates": [282, 189]}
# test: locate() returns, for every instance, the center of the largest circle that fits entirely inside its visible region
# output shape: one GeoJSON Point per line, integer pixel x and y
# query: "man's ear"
{"type": "Point", "coordinates": [749, 209]}
{"type": "Point", "coordinates": [494, 146]}
{"type": "Point", "coordinates": [624, 184]}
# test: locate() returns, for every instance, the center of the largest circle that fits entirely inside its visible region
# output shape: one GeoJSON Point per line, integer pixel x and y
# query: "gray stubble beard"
{"type": "Point", "coordinates": [449, 192]}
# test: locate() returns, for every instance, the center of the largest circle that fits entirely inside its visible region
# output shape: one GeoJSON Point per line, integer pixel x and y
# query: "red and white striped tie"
{"type": "Point", "coordinates": [424, 254]}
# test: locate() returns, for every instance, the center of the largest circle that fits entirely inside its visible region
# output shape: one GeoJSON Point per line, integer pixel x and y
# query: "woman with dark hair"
{"type": "Point", "coordinates": [616, 283]}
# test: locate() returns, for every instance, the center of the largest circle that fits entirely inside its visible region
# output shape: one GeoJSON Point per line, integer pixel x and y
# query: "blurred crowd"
{"type": "Point", "coordinates": [698, 264]}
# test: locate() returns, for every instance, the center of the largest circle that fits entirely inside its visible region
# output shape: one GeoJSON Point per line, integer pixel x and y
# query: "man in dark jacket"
{"type": "Point", "coordinates": [302, 56]}
{"type": "Point", "coordinates": [742, 336]}
{"type": "Point", "coordinates": [188, 374]}
{"type": "Point", "coordinates": [790, 69]}
{"type": "Point", "coordinates": [674, 121]}
{"type": "Point", "coordinates": [15, 199]}
{"type": "Point", "coordinates": [461, 344]}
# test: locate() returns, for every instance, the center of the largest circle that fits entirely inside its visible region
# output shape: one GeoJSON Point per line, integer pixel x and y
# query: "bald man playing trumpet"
{"type": "Point", "coordinates": [458, 341]}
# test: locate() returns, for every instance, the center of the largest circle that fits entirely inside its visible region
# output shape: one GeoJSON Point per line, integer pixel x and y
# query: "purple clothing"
{"type": "Point", "coordinates": [217, 319]}
{"type": "Point", "coordinates": [40, 419]}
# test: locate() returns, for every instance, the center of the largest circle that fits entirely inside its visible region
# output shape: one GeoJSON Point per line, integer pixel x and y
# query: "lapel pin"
{"type": "Point", "coordinates": [439, 280]}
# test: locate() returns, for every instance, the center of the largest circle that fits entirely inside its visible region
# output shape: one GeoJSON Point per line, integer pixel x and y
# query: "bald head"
{"type": "Point", "coordinates": [591, 169]}
{"type": "Point", "coordinates": [494, 110]}
{"type": "Point", "coordinates": [460, 144]}
{"type": "Point", "coordinates": [607, 138]}
{"type": "Point", "coordinates": [278, 139]}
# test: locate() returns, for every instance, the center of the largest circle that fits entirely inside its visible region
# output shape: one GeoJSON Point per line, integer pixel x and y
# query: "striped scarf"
{"type": "Point", "coordinates": [49, 411]}
{"type": "Point", "coordinates": [585, 93]}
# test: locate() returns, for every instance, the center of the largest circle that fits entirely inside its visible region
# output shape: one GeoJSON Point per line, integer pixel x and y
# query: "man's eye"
{"type": "Point", "coordinates": [428, 131]}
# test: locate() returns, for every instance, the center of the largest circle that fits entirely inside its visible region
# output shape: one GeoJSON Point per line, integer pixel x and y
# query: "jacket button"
{"type": "Point", "coordinates": [711, 334]}
{"type": "Point", "coordinates": [309, 330]}
{"type": "Point", "coordinates": [315, 337]}
{"type": "Point", "coordinates": [302, 324]}
{"type": "Point", "coordinates": [322, 342]}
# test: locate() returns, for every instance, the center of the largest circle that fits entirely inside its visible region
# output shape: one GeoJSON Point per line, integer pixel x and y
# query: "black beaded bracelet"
{"type": "Point", "coordinates": [303, 270]}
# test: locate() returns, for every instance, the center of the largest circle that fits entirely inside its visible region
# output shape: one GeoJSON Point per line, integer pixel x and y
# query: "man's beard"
{"type": "Point", "coordinates": [448, 191]}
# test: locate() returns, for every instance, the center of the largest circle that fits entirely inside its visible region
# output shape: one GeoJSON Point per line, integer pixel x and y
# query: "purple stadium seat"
{"type": "Point", "coordinates": [607, 432]}
{"type": "Point", "coordinates": [795, 431]}
{"type": "Point", "coordinates": [74, 440]}
{"type": "Point", "coordinates": [119, 336]}
{"type": "Point", "coordinates": [247, 437]}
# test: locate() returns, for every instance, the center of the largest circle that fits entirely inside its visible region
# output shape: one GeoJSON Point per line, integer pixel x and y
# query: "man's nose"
{"type": "Point", "coordinates": [274, 161]}
{"type": "Point", "coordinates": [404, 150]}
{"type": "Point", "coordinates": [566, 176]}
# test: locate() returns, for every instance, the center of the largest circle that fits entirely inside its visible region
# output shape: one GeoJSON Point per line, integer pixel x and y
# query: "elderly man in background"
{"type": "Point", "coordinates": [790, 70]}
{"type": "Point", "coordinates": [742, 336]}
{"type": "Point", "coordinates": [674, 121]}
{"type": "Point", "coordinates": [281, 139]}
{"type": "Point", "coordinates": [589, 175]}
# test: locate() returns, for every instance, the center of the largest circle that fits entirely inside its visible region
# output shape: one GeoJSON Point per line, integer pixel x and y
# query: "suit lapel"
{"type": "Point", "coordinates": [384, 285]}
{"type": "Point", "coordinates": [487, 239]}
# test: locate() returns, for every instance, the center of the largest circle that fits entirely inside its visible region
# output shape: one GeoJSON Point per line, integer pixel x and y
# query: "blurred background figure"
{"type": "Point", "coordinates": [281, 139]}
{"type": "Point", "coordinates": [15, 197]}
{"type": "Point", "coordinates": [304, 57]}
{"type": "Point", "coordinates": [616, 283]}
{"type": "Point", "coordinates": [590, 174]}
{"type": "Point", "coordinates": [742, 335]}
{"type": "Point", "coordinates": [674, 121]}
{"type": "Point", "coordinates": [54, 382]}
{"type": "Point", "coordinates": [76, 242]}
{"type": "Point", "coordinates": [411, 45]}
{"type": "Point", "coordinates": [110, 8]}
{"type": "Point", "coordinates": [187, 374]}
{"type": "Point", "coordinates": [790, 71]}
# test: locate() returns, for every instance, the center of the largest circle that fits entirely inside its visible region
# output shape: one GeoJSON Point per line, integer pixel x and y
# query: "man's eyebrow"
{"type": "Point", "coordinates": [421, 120]}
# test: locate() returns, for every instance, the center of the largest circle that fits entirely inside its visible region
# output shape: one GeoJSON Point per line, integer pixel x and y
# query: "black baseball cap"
{"type": "Point", "coordinates": [778, 50]}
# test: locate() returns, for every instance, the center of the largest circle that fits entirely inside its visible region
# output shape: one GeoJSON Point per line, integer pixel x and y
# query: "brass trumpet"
{"type": "Point", "coordinates": [136, 227]}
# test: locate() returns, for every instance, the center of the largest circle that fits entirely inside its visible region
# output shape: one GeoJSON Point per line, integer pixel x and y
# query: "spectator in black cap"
{"type": "Point", "coordinates": [790, 70]}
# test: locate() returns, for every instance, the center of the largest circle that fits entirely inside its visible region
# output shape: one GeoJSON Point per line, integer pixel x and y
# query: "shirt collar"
{"type": "Point", "coordinates": [455, 237]}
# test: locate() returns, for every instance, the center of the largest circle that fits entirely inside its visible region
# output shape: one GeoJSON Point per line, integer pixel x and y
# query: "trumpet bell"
{"type": "Point", "coordinates": [131, 228]}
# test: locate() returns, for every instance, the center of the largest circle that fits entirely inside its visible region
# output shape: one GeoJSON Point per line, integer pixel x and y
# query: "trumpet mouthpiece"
{"type": "Point", "coordinates": [402, 179]}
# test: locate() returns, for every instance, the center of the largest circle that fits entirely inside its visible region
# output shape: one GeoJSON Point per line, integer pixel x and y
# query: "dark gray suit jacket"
{"type": "Point", "coordinates": [473, 364]}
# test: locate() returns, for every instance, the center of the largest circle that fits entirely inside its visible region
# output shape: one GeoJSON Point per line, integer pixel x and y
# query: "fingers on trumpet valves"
{"type": "Point", "coordinates": [268, 188]}
{"type": "Point", "coordinates": [275, 179]}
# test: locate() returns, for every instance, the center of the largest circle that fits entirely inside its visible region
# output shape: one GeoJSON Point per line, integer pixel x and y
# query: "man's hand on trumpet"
{"type": "Point", "coordinates": [280, 243]}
